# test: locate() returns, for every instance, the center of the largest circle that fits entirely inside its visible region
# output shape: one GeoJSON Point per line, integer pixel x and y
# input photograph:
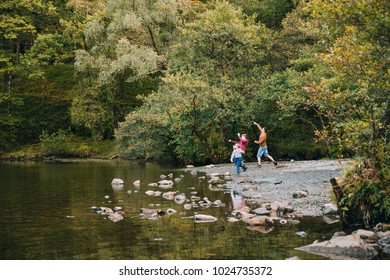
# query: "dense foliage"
{"type": "Point", "coordinates": [178, 78]}
{"type": "Point", "coordinates": [356, 99]}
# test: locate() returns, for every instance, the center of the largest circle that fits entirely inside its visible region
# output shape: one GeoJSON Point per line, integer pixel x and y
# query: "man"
{"type": "Point", "coordinates": [263, 149]}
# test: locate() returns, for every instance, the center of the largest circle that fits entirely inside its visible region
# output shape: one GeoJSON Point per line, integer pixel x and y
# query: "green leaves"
{"type": "Point", "coordinates": [355, 97]}
{"type": "Point", "coordinates": [125, 45]}
{"type": "Point", "coordinates": [206, 87]}
{"type": "Point", "coordinates": [219, 41]}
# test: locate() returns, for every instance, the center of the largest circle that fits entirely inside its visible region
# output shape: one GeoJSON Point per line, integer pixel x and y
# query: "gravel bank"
{"type": "Point", "coordinates": [270, 183]}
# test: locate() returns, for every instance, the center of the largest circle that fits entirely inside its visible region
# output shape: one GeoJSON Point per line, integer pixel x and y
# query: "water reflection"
{"type": "Point", "coordinates": [238, 200]}
{"type": "Point", "coordinates": [261, 229]}
{"type": "Point", "coordinates": [48, 213]}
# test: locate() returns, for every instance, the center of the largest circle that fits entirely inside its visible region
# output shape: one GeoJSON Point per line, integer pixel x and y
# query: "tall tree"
{"type": "Point", "coordinates": [269, 12]}
{"type": "Point", "coordinates": [20, 21]}
{"type": "Point", "coordinates": [356, 99]}
{"type": "Point", "coordinates": [294, 62]}
{"type": "Point", "coordinates": [126, 43]}
{"type": "Point", "coordinates": [207, 89]}
{"type": "Point", "coordinates": [48, 49]}
{"type": "Point", "coordinates": [81, 12]}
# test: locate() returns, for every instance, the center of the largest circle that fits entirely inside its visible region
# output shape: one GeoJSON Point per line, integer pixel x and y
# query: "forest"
{"type": "Point", "coordinates": [176, 79]}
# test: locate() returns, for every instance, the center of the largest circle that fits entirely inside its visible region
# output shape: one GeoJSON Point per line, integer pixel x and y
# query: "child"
{"type": "Point", "coordinates": [243, 141]}
{"type": "Point", "coordinates": [236, 157]}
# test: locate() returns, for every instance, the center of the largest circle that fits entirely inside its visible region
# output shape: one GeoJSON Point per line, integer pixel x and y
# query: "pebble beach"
{"type": "Point", "coordinates": [281, 183]}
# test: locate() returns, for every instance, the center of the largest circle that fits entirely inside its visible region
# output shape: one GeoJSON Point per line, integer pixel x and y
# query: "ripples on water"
{"type": "Point", "coordinates": [47, 215]}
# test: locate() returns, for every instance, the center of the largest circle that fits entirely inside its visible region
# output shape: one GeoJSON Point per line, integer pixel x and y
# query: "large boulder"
{"type": "Point", "coordinates": [258, 221]}
{"type": "Point", "coordinates": [329, 209]}
{"type": "Point", "coordinates": [261, 211]}
{"type": "Point", "coordinates": [350, 247]}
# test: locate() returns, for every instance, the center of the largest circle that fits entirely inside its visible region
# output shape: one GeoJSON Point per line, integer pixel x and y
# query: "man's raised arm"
{"type": "Point", "coordinates": [258, 126]}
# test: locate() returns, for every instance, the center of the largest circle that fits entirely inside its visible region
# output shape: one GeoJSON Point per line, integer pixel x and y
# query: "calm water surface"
{"type": "Point", "coordinates": [47, 215]}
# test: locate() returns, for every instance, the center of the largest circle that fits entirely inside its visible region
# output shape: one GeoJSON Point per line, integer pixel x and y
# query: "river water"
{"type": "Point", "coordinates": [48, 214]}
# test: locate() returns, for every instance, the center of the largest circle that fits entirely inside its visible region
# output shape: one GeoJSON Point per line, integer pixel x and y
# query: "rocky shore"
{"type": "Point", "coordinates": [301, 185]}
{"type": "Point", "coordinates": [299, 188]}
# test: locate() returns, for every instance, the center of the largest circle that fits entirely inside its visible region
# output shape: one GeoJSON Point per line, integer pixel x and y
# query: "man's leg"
{"type": "Point", "coordinates": [259, 155]}
{"type": "Point", "coordinates": [272, 159]}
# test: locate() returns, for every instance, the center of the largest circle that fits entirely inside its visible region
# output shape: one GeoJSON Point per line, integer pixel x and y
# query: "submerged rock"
{"type": "Point", "coordinates": [115, 217]}
{"type": "Point", "coordinates": [216, 181]}
{"type": "Point", "coordinates": [165, 182]}
{"type": "Point", "coordinates": [171, 211]}
{"type": "Point", "coordinates": [232, 220]}
{"type": "Point", "coordinates": [217, 203]}
{"type": "Point", "coordinates": [180, 198]}
{"type": "Point", "coordinates": [187, 206]}
{"type": "Point", "coordinates": [169, 195]}
{"type": "Point", "coordinates": [137, 183]}
{"type": "Point", "coordinates": [117, 181]}
{"type": "Point", "coordinates": [151, 211]}
{"type": "Point", "coordinates": [294, 258]}
{"type": "Point", "coordinates": [330, 219]}
{"type": "Point", "coordinates": [202, 218]}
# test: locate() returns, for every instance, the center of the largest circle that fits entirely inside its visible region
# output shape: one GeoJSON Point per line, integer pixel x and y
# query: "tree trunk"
{"type": "Point", "coordinates": [17, 51]}
{"type": "Point", "coordinates": [338, 192]}
{"type": "Point", "coordinates": [385, 121]}
{"type": "Point", "coordinates": [9, 92]}
{"type": "Point", "coordinates": [154, 44]}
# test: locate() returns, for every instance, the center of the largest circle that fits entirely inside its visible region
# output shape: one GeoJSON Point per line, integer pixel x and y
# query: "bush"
{"type": "Point", "coordinates": [83, 150]}
{"type": "Point", "coordinates": [55, 144]}
{"type": "Point", "coordinates": [366, 199]}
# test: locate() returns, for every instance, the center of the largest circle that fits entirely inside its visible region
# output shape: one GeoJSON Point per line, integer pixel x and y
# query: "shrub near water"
{"type": "Point", "coordinates": [366, 198]}
{"type": "Point", "coordinates": [55, 144]}
{"type": "Point", "coordinates": [65, 144]}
